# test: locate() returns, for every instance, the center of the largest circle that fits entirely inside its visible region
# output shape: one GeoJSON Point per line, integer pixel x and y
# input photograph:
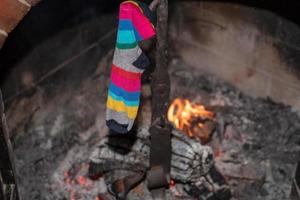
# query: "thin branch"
{"type": "Point", "coordinates": [154, 4]}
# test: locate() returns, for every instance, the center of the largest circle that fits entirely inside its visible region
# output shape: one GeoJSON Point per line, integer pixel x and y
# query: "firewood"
{"type": "Point", "coordinates": [119, 157]}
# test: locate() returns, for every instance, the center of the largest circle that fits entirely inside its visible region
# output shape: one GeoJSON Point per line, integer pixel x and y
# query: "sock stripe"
{"type": "Point", "coordinates": [126, 37]}
{"type": "Point", "coordinates": [126, 24]}
{"type": "Point", "coordinates": [126, 46]}
{"type": "Point", "coordinates": [124, 73]}
{"type": "Point", "coordinates": [135, 3]}
{"type": "Point", "coordinates": [126, 84]}
{"type": "Point", "coordinates": [129, 96]}
{"type": "Point", "coordinates": [120, 117]}
{"type": "Point", "coordinates": [117, 127]}
{"type": "Point", "coordinates": [124, 59]}
{"type": "Point", "coordinates": [141, 23]}
{"type": "Point", "coordinates": [119, 106]}
{"type": "Point", "coordinates": [120, 98]}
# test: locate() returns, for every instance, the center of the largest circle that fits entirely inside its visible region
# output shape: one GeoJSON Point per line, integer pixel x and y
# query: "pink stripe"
{"type": "Point", "coordinates": [126, 84]}
{"type": "Point", "coordinates": [142, 24]}
{"type": "Point", "coordinates": [126, 11]}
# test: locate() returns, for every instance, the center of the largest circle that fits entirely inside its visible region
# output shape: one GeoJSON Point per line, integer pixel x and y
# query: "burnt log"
{"type": "Point", "coordinates": [192, 163]}
{"type": "Point", "coordinates": [190, 159]}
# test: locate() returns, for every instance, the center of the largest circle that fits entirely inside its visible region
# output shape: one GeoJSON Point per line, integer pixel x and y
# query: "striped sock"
{"type": "Point", "coordinates": [128, 65]}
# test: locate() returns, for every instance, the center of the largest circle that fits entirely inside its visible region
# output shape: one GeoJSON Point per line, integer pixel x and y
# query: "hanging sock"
{"type": "Point", "coordinates": [129, 62]}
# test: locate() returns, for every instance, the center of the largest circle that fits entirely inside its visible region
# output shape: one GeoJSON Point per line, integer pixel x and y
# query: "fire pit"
{"type": "Point", "coordinates": [250, 161]}
{"type": "Point", "coordinates": [226, 144]}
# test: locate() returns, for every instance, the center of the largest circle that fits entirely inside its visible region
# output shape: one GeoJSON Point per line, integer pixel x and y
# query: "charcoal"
{"type": "Point", "coordinates": [255, 145]}
{"type": "Point", "coordinates": [190, 159]}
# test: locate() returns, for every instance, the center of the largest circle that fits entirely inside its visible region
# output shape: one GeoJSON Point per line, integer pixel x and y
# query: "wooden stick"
{"type": "Point", "coordinates": [154, 4]}
{"type": "Point", "coordinates": [161, 80]}
{"type": "Point", "coordinates": [160, 153]}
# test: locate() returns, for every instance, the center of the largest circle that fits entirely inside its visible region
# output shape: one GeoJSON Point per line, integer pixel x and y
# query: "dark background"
{"type": "Point", "coordinates": [50, 17]}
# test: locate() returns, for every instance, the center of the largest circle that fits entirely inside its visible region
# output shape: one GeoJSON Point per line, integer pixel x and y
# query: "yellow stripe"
{"type": "Point", "coordinates": [119, 106]}
{"type": "Point", "coordinates": [135, 3]}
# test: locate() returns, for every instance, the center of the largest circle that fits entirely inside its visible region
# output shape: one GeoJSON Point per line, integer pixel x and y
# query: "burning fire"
{"type": "Point", "coordinates": [187, 116]}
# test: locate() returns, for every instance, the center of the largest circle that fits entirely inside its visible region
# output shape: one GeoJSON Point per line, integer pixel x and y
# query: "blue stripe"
{"type": "Point", "coordinates": [127, 25]}
{"type": "Point", "coordinates": [127, 103]}
{"type": "Point", "coordinates": [128, 96]}
{"type": "Point", "coordinates": [126, 37]}
{"type": "Point", "coordinates": [137, 35]}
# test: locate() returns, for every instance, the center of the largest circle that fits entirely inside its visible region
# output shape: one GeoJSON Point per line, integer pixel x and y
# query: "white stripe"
{"type": "Point", "coordinates": [25, 3]}
{"type": "Point", "coordinates": [3, 32]}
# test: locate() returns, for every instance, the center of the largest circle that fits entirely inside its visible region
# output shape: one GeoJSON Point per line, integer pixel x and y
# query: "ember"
{"type": "Point", "coordinates": [188, 116]}
{"type": "Point", "coordinates": [76, 179]}
{"type": "Point", "coordinates": [172, 183]}
{"type": "Point", "coordinates": [81, 180]}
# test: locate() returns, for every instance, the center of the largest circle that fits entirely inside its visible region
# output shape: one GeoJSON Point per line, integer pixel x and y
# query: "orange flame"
{"type": "Point", "coordinates": [182, 112]}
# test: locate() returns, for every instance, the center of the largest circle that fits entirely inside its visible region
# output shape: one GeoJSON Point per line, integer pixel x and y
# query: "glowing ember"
{"type": "Point", "coordinates": [98, 198]}
{"type": "Point", "coordinates": [77, 182]}
{"type": "Point", "coordinates": [174, 189]}
{"type": "Point", "coordinates": [218, 153]}
{"type": "Point", "coordinates": [82, 180]}
{"type": "Point", "coordinates": [172, 183]}
{"type": "Point", "coordinates": [186, 115]}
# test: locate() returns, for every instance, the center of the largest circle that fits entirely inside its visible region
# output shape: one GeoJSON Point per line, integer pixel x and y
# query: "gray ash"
{"type": "Point", "coordinates": [256, 142]}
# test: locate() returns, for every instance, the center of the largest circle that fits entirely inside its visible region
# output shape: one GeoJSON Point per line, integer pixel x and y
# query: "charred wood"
{"type": "Point", "coordinates": [161, 79]}
{"type": "Point", "coordinates": [160, 154]}
{"type": "Point", "coordinates": [192, 163]}
{"type": "Point", "coordinates": [8, 181]}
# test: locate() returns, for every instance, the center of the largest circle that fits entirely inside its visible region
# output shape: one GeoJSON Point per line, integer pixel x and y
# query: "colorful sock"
{"type": "Point", "coordinates": [128, 65]}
